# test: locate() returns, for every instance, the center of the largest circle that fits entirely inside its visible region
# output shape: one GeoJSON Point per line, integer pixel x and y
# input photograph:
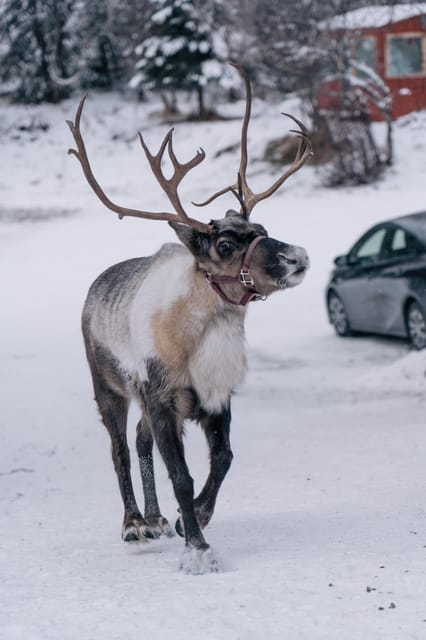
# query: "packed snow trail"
{"type": "Point", "coordinates": [320, 526]}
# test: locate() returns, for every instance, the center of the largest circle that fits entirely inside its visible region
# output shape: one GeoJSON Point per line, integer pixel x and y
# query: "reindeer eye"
{"type": "Point", "coordinates": [225, 248]}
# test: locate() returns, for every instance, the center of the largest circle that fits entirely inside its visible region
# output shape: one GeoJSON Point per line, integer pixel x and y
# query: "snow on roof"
{"type": "Point", "coordinates": [376, 16]}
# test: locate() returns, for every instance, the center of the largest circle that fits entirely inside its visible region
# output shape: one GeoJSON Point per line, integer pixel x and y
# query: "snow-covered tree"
{"type": "Point", "coordinates": [37, 50]}
{"type": "Point", "coordinates": [129, 26]}
{"type": "Point", "coordinates": [178, 54]}
{"type": "Point", "coordinates": [357, 89]}
{"type": "Point", "coordinates": [321, 65]}
{"type": "Point", "coordinates": [100, 53]}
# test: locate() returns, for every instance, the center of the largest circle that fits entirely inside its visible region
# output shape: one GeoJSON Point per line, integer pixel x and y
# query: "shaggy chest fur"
{"type": "Point", "coordinates": [199, 341]}
{"type": "Point", "coordinates": [170, 314]}
{"type": "Point", "coordinates": [203, 349]}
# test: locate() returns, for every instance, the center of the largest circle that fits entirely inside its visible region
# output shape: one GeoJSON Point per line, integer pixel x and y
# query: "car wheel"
{"type": "Point", "coordinates": [338, 316]}
{"type": "Point", "coordinates": [416, 326]}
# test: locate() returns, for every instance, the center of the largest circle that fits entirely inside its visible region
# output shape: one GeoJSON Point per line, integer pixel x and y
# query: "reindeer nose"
{"type": "Point", "coordinates": [303, 259]}
{"type": "Point", "coordinates": [296, 257]}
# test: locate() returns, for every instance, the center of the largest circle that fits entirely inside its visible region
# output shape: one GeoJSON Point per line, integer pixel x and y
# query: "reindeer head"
{"type": "Point", "coordinates": [232, 252]}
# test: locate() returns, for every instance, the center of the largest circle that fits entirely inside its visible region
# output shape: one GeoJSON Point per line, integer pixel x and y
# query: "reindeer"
{"type": "Point", "coordinates": [168, 331]}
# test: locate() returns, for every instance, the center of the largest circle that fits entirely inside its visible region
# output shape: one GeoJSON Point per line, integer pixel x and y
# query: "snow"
{"type": "Point", "coordinates": [320, 527]}
{"type": "Point", "coordinates": [162, 15]}
{"type": "Point", "coordinates": [136, 80]}
{"type": "Point", "coordinates": [211, 70]}
{"type": "Point", "coordinates": [376, 16]}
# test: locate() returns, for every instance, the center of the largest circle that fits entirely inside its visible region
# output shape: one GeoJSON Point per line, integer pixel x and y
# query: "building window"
{"type": "Point", "coordinates": [365, 51]}
{"type": "Point", "coordinates": [404, 56]}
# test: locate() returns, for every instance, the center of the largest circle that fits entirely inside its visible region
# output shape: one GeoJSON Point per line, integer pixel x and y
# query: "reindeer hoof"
{"type": "Point", "coordinates": [203, 519]}
{"type": "Point", "coordinates": [179, 528]}
{"type": "Point", "coordinates": [160, 526]}
{"type": "Point", "coordinates": [130, 537]}
{"type": "Point", "coordinates": [138, 533]}
{"type": "Point", "coordinates": [197, 562]}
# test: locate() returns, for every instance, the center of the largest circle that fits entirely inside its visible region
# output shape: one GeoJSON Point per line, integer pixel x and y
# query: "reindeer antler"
{"type": "Point", "coordinates": [240, 189]}
{"type": "Point", "coordinates": [169, 185]}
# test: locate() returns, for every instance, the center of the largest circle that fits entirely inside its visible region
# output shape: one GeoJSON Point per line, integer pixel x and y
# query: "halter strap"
{"type": "Point", "coordinates": [244, 277]}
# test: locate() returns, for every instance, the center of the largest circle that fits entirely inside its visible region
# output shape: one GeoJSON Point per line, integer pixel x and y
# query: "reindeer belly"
{"type": "Point", "coordinates": [218, 365]}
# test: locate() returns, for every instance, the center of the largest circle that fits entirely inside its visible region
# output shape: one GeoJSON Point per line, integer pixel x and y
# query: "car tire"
{"type": "Point", "coordinates": [416, 326]}
{"type": "Point", "coordinates": [338, 316]}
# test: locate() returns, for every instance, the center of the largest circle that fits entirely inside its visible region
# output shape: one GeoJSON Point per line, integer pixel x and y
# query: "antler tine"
{"type": "Point", "coordinates": [240, 197]}
{"type": "Point", "coordinates": [301, 133]}
{"type": "Point", "coordinates": [81, 154]}
{"type": "Point", "coordinates": [241, 190]}
{"type": "Point", "coordinates": [155, 160]}
{"type": "Point", "coordinates": [244, 153]}
{"type": "Point", "coordinates": [180, 169]}
{"type": "Point", "coordinates": [214, 196]}
{"type": "Point", "coordinates": [304, 152]}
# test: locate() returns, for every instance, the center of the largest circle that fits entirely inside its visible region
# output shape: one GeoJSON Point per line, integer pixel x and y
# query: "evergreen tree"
{"type": "Point", "coordinates": [177, 55]}
{"type": "Point", "coordinates": [129, 27]}
{"type": "Point", "coordinates": [37, 50]}
{"type": "Point", "coordinates": [101, 57]}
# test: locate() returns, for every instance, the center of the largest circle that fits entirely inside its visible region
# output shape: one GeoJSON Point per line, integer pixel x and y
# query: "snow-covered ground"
{"type": "Point", "coordinates": [321, 523]}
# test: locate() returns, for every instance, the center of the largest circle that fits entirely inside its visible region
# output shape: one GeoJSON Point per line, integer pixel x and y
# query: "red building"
{"type": "Point", "coordinates": [392, 41]}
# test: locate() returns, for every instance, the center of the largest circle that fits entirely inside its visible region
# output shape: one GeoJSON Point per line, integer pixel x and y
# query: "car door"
{"type": "Point", "coordinates": [392, 281]}
{"type": "Point", "coordinates": [357, 286]}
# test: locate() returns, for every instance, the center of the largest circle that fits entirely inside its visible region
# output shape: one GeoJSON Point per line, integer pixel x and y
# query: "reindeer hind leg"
{"type": "Point", "coordinates": [113, 406]}
{"type": "Point", "coordinates": [144, 445]}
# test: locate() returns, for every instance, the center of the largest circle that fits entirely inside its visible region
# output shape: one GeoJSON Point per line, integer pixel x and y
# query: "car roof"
{"type": "Point", "coordinates": [415, 223]}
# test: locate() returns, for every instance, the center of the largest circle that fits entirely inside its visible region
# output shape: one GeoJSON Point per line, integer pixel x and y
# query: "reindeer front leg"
{"type": "Point", "coordinates": [198, 557]}
{"type": "Point", "coordinates": [170, 446]}
{"type": "Point", "coordinates": [217, 428]}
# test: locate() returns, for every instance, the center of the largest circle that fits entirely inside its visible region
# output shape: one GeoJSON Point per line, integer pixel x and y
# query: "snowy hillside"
{"type": "Point", "coordinates": [321, 523]}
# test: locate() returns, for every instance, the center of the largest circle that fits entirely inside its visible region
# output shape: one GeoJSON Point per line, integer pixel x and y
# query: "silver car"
{"type": "Point", "coordinates": [380, 285]}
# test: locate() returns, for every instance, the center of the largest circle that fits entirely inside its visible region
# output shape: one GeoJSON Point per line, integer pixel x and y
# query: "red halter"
{"type": "Point", "coordinates": [244, 278]}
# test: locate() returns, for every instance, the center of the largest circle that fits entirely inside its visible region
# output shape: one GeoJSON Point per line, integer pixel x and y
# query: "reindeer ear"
{"type": "Point", "coordinates": [198, 243]}
{"type": "Point", "coordinates": [232, 214]}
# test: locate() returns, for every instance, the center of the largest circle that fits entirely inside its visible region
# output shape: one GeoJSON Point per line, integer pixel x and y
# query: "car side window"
{"type": "Point", "coordinates": [368, 251]}
{"type": "Point", "coordinates": [401, 244]}
{"type": "Point", "coordinates": [399, 240]}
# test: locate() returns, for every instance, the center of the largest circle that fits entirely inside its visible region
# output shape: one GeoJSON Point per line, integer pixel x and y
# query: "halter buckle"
{"type": "Point", "coordinates": [246, 278]}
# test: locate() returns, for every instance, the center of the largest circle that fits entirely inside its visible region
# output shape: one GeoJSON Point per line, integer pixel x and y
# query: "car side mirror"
{"type": "Point", "coordinates": [341, 261]}
{"type": "Point", "coordinates": [352, 259]}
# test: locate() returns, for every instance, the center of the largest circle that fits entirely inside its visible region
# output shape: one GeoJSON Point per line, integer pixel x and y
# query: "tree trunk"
{"type": "Point", "coordinates": [389, 140]}
{"type": "Point", "coordinates": [200, 97]}
{"type": "Point", "coordinates": [50, 92]}
{"type": "Point", "coordinates": [170, 103]}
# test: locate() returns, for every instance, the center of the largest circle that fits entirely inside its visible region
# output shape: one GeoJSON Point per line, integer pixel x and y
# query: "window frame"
{"type": "Point", "coordinates": [367, 37]}
{"type": "Point", "coordinates": [413, 246]}
{"type": "Point", "coordinates": [406, 35]}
